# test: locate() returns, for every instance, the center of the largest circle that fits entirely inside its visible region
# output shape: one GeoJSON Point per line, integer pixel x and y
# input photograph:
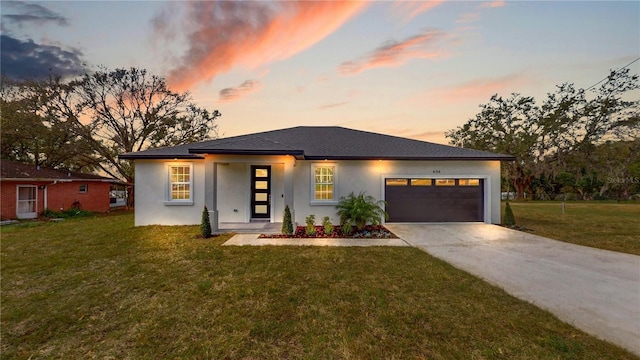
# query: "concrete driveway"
{"type": "Point", "coordinates": [595, 290]}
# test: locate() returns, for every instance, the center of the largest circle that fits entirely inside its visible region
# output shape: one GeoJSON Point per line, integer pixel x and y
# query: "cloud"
{"type": "Point", "coordinates": [20, 12]}
{"type": "Point", "coordinates": [223, 34]}
{"type": "Point", "coordinates": [332, 105]}
{"type": "Point", "coordinates": [431, 136]}
{"type": "Point", "coordinates": [480, 89]}
{"type": "Point", "coordinates": [412, 9]}
{"type": "Point", "coordinates": [27, 59]}
{"type": "Point", "coordinates": [493, 4]}
{"type": "Point", "coordinates": [244, 89]}
{"type": "Point", "coordinates": [395, 53]}
{"type": "Point", "coordinates": [468, 17]}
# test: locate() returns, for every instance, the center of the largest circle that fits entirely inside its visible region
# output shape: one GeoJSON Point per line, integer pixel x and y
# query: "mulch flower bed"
{"type": "Point", "coordinates": [369, 232]}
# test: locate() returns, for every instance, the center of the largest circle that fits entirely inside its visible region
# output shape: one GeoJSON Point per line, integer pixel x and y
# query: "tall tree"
{"type": "Point", "coordinates": [561, 136]}
{"type": "Point", "coordinates": [128, 110]}
{"type": "Point", "coordinates": [508, 126]}
{"type": "Point", "coordinates": [87, 122]}
{"type": "Point", "coordinates": [34, 132]}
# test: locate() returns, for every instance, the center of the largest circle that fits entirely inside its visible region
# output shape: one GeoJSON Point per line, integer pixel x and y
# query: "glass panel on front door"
{"type": "Point", "coordinates": [260, 191]}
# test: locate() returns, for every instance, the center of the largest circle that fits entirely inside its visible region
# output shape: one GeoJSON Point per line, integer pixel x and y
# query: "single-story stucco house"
{"type": "Point", "coordinates": [252, 177]}
{"type": "Point", "coordinates": [27, 190]}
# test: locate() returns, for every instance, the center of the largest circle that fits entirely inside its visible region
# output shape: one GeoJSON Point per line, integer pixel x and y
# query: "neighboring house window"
{"type": "Point", "coordinates": [83, 188]}
{"type": "Point", "coordinates": [26, 207]}
{"type": "Point", "coordinates": [180, 184]}
{"type": "Point", "coordinates": [323, 183]}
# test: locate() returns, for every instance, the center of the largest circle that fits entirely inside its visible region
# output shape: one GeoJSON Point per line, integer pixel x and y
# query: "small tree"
{"type": "Point", "coordinates": [287, 223]}
{"type": "Point", "coordinates": [509, 219]}
{"type": "Point", "coordinates": [311, 225]}
{"type": "Point", "coordinates": [205, 225]}
{"type": "Point", "coordinates": [346, 227]}
{"type": "Point", "coordinates": [327, 225]}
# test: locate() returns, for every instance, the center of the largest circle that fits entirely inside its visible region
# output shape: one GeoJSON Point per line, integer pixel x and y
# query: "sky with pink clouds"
{"type": "Point", "coordinates": [406, 68]}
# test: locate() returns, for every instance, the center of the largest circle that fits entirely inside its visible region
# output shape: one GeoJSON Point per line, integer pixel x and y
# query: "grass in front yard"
{"type": "Point", "coordinates": [599, 224]}
{"type": "Point", "coordinates": [100, 288]}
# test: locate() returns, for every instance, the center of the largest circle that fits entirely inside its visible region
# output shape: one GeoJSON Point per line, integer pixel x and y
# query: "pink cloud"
{"type": "Point", "coordinates": [493, 4]}
{"type": "Point", "coordinates": [412, 9]}
{"type": "Point", "coordinates": [225, 34]}
{"type": "Point", "coordinates": [480, 89]}
{"type": "Point", "coordinates": [332, 105]}
{"type": "Point", "coordinates": [244, 89]}
{"type": "Point", "coordinates": [395, 53]}
{"type": "Point", "coordinates": [468, 17]}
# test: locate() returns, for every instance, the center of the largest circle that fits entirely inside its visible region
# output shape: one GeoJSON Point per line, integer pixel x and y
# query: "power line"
{"type": "Point", "coordinates": [606, 77]}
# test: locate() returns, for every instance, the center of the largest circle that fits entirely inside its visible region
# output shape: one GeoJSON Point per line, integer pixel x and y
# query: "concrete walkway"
{"type": "Point", "coordinates": [595, 290]}
{"type": "Point", "coordinates": [252, 240]}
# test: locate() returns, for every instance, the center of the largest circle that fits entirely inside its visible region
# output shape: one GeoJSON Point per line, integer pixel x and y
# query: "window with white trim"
{"type": "Point", "coordinates": [323, 182]}
{"type": "Point", "coordinates": [27, 202]}
{"type": "Point", "coordinates": [180, 183]}
{"type": "Point", "coordinates": [83, 188]}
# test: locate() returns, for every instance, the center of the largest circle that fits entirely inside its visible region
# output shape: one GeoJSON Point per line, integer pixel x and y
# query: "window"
{"type": "Point", "coordinates": [180, 184]}
{"type": "Point", "coordinates": [27, 202]}
{"type": "Point", "coordinates": [83, 188]}
{"type": "Point", "coordinates": [469, 182]}
{"type": "Point", "coordinates": [445, 182]}
{"type": "Point", "coordinates": [396, 182]}
{"type": "Point", "coordinates": [324, 180]}
{"type": "Point", "coordinates": [420, 182]}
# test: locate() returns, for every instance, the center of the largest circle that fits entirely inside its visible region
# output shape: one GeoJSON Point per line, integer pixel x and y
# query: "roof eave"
{"type": "Point", "coordinates": [159, 157]}
{"type": "Point", "coordinates": [59, 179]}
{"type": "Point", "coordinates": [416, 158]}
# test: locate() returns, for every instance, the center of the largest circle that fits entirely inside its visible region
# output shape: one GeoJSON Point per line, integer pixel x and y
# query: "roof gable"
{"type": "Point", "coordinates": [322, 142]}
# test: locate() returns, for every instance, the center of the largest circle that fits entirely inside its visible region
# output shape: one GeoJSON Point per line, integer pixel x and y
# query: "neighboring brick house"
{"type": "Point", "coordinates": [26, 190]}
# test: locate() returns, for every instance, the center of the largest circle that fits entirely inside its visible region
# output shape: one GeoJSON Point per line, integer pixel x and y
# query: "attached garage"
{"type": "Point", "coordinates": [434, 200]}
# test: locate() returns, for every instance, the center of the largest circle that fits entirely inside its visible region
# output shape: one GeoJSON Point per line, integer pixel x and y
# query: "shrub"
{"type": "Point", "coordinates": [360, 210]}
{"type": "Point", "coordinates": [287, 223]}
{"type": "Point", "coordinates": [205, 224]}
{"type": "Point", "coordinates": [76, 205]}
{"type": "Point", "coordinates": [326, 224]}
{"type": "Point", "coordinates": [311, 225]}
{"type": "Point", "coordinates": [69, 213]}
{"type": "Point", "coordinates": [509, 219]}
{"type": "Point", "coordinates": [346, 228]}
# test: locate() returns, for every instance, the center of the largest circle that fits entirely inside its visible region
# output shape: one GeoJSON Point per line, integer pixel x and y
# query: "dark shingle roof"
{"type": "Point", "coordinates": [16, 170]}
{"type": "Point", "coordinates": [319, 143]}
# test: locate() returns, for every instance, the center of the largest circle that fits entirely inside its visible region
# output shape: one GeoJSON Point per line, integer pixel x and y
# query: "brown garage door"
{"type": "Point", "coordinates": [434, 200]}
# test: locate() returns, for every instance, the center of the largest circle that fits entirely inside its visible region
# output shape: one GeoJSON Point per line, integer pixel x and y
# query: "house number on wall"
{"type": "Point", "coordinates": [436, 171]}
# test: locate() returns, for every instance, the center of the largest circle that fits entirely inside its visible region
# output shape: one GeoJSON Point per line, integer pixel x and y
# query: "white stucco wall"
{"type": "Point", "coordinates": [234, 181]}
{"type": "Point", "coordinates": [356, 176]}
{"type": "Point", "coordinates": [152, 190]}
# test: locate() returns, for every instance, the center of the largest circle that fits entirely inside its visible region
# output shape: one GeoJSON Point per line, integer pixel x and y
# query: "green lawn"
{"type": "Point", "coordinates": [599, 224]}
{"type": "Point", "coordinates": [99, 288]}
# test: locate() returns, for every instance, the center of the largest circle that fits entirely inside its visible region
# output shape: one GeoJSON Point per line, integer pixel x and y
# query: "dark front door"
{"type": "Point", "coordinates": [260, 191]}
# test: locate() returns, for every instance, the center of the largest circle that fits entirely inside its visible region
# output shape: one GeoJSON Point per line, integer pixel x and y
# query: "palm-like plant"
{"type": "Point", "coordinates": [360, 210]}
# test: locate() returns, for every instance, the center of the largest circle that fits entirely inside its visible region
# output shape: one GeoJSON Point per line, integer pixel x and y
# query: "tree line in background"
{"type": "Point", "coordinates": [84, 123]}
{"type": "Point", "coordinates": [576, 144]}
